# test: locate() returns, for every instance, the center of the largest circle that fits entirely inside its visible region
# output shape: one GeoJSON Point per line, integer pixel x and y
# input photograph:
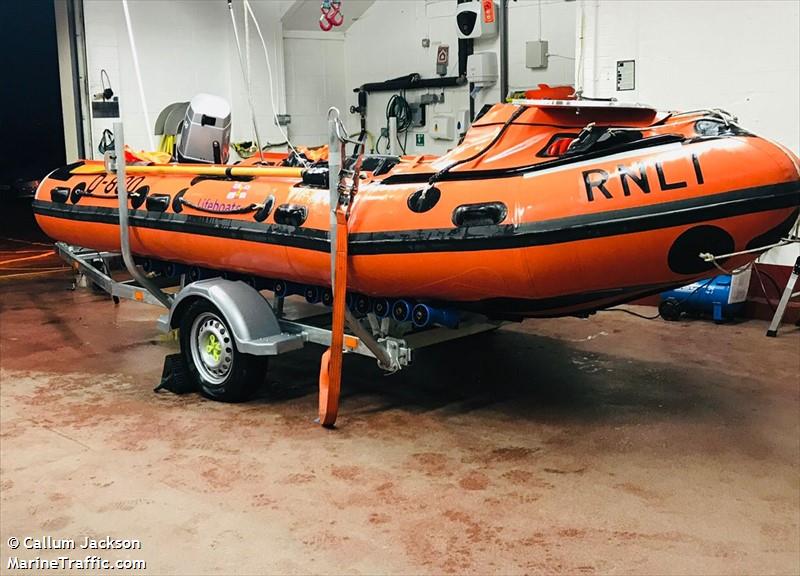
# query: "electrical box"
{"type": "Point", "coordinates": [442, 127]}
{"type": "Point", "coordinates": [482, 68]}
{"type": "Point", "coordinates": [476, 19]}
{"type": "Point", "coordinates": [417, 115]}
{"type": "Point", "coordinates": [462, 122]}
{"type": "Point", "coordinates": [536, 54]}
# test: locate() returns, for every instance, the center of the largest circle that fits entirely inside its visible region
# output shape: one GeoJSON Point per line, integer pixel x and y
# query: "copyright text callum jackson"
{"type": "Point", "coordinates": [64, 560]}
{"type": "Point", "coordinates": [87, 543]}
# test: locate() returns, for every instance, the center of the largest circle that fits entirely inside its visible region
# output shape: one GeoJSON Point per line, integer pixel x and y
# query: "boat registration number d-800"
{"type": "Point", "coordinates": [109, 185]}
{"type": "Point", "coordinates": [599, 183]}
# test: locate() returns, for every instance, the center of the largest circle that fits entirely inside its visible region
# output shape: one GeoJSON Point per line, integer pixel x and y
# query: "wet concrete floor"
{"type": "Point", "coordinates": [612, 445]}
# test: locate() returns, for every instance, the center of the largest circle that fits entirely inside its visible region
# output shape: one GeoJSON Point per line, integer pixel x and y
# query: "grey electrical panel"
{"type": "Point", "coordinates": [626, 75]}
{"type": "Point", "coordinates": [536, 54]}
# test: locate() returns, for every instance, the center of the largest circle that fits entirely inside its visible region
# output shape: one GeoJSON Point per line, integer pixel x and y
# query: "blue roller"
{"type": "Point", "coordinates": [197, 273]}
{"type": "Point", "coordinates": [360, 304]}
{"type": "Point", "coordinates": [424, 315]}
{"type": "Point", "coordinates": [401, 310]}
{"type": "Point", "coordinates": [151, 265]}
{"type": "Point", "coordinates": [172, 269]}
{"type": "Point", "coordinates": [255, 282]}
{"type": "Point", "coordinates": [312, 294]}
{"type": "Point", "coordinates": [381, 307]}
{"type": "Point", "coordinates": [712, 296]}
{"type": "Point", "coordinates": [283, 288]}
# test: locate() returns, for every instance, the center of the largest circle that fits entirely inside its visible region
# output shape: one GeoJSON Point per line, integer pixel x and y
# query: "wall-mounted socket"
{"type": "Point", "coordinates": [536, 53]}
{"type": "Point", "coordinates": [462, 122]}
{"type": "Point", "coordinates": [442, 127]}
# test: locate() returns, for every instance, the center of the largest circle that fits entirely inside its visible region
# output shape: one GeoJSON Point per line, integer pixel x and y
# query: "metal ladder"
{"type": "Point", "coordinates": [784, 303]}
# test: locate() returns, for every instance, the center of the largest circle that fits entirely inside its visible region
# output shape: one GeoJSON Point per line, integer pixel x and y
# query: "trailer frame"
{"type": "Point", "coordinates": [257, 327]}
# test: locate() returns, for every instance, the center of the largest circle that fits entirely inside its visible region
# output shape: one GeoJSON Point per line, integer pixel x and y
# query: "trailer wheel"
{"type": "Point", "coordinates": [220, 371]}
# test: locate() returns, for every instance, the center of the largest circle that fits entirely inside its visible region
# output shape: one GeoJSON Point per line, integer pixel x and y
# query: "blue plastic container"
{"type": "Point", "coordinates": [711, 296]}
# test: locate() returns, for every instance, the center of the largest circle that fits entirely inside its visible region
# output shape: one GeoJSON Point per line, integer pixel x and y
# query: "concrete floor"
{"type": "Point", "coordinates": [612, 445]}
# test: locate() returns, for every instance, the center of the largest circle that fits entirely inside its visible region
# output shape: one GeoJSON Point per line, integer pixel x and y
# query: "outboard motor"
{"type": "Point", "coordinates": [206, 132]}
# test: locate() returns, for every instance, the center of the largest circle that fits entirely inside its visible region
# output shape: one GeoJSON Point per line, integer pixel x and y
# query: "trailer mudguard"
{"type": "Point", "coordinates": [250, 317]}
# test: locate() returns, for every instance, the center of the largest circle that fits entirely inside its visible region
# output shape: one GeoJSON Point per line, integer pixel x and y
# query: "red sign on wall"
{"type": "Point", "coordinates": [488, 11]}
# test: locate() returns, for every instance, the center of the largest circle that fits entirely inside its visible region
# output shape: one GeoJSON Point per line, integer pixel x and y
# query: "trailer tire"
{"type": "Point", "coordinates": [220, 371]}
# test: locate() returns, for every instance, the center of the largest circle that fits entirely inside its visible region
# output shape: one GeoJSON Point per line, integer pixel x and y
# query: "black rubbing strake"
{"type": "Point", "coordinates": [503, 236]}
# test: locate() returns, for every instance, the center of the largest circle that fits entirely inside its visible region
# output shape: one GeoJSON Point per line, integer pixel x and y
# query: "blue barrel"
{"type": "Point", "coordinates": [711, 296]}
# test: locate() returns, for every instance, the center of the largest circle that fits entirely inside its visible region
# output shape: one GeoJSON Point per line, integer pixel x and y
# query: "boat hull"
{"type": "Point", "coordinates": [568, 237]}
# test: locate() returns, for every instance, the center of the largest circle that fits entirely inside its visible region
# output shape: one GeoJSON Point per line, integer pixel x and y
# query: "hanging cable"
{"type": "Point", "coordinates": [246, 80]}
{"type": "Point", "coordinates": [764, 289]}
{"type": "Point", "coordinates": [272, 84]}
{"type": "Point", "coordinates": [540, 20]}
{"type": "Point", "coordinates": [105, 84]}
{"type": "Point", "coordinates": [678, 302]}
{"type": "Point", "coordinates": [247, 45]}
{"type": "Point", "coordinates": [148, 126]}
{"type": "Point", "coordinates": [247, 57]}
{"type": "Point", "coordinates": [398, 108]}
{"type": "Point", "coordinates": [480, 152]}
{"type": "Point", "coordinates": [581, 54]}
{"type": "Point", "coordinates": [632, 313]}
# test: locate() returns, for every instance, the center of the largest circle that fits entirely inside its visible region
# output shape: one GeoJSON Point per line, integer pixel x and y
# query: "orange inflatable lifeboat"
{"type": "Point", "coordinates": [545, 208]}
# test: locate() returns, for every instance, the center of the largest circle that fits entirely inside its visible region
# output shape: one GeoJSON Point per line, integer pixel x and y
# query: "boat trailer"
{"type": "Point", "coordinates": [258, 327]}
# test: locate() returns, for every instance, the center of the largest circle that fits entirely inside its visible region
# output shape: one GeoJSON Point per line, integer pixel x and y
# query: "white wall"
{"type": "Point", "coordinates": [386, 42]}
{"type": "Point", "coordinates": [741, 56]}
{"type": "Point", "coordinates": [184, 47]}
{"type": "Point", "coordinates": [557, 26]}
{"type": "Point", "coordinates": [315, 80]}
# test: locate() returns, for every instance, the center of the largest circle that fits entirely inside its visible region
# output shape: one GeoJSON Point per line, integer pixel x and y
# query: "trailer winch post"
{"type": "Point", "coordinates": [341, 198]}
{"type": "Point", "coordinates": [124, 231]}
{"type": "Point", "coordinates": [330, 373]}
